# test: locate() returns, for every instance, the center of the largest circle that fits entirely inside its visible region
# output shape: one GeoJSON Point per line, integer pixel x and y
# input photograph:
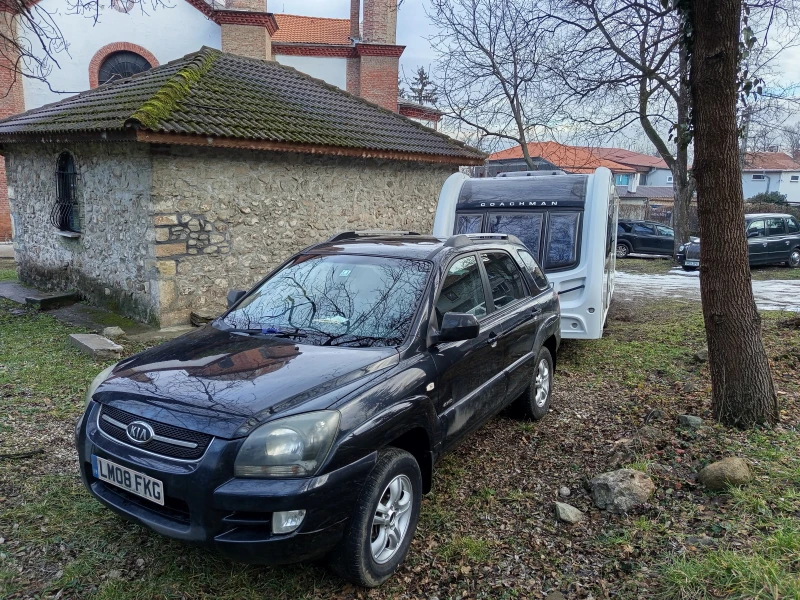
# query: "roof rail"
{"type": "Point", "coordinates": [464, 239]}
{"type": "Point", "coordinates": [354, 235]}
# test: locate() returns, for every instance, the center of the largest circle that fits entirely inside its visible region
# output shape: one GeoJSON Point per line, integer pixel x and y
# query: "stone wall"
{"type": "Point", "coordinates": [112, 260]}
{"type": "Point", "coordinates": [224, 218]}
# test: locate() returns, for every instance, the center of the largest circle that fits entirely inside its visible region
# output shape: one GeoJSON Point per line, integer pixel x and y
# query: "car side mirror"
{"type": "Point", "coordinates": [234, 296]}
{"type": "Point", "coordinates": [459, 326]}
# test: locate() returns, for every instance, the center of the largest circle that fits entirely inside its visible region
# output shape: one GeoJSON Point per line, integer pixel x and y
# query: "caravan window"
{"type": "Point", "coordinates": [468, 224]}
{"type": "Point", "coordinates": [562, 242]}
{"type": "Point", "coordinates": [527, 227]}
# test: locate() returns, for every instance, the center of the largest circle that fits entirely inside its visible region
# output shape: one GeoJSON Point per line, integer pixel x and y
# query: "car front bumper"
{"type": "Point", "coordinates": [205, 505]}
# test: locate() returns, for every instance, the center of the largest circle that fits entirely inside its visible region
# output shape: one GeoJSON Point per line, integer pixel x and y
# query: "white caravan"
{"type": "Point", "coordinates": [569, 222]}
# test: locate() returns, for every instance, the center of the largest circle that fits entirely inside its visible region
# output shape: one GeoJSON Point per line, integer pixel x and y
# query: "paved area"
{"type": "Point", "coordinates": [6, 251]}
{"type": "Point", "coordinates": [769, 295]}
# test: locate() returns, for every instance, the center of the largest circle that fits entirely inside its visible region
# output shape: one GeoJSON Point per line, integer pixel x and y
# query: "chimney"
{"type": "Point", "coordinates": [379, 56]}
{"type": "Point", "coordinates": [633, 183]}
{"type": "Point", "coordinates": [355, 19]}
{"type": "Point", "coordinates": [244, 34]}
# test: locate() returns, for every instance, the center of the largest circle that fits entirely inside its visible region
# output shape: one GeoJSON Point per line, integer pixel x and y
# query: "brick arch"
{"type": "Point", "coordinates": [105, 51]}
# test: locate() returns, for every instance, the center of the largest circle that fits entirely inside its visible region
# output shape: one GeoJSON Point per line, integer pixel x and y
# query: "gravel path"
{"type": "Point", "coordinates": [769, 295]}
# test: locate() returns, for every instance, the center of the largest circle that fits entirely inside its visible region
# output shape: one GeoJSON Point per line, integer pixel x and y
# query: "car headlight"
{"type": "Point", "coordinates": [681, 248]}
{"type": "Point", "coordinates": [292, 447]}
{"type": "Point", "coordinates": [101, 377]}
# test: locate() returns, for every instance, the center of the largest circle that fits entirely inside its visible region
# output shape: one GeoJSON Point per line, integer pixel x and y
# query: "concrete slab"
{"type": "Point", "coordinates": [6, 251]}
{"type": "Point", "coordinates": [95, 346]}
{"type": "Point", "coordinates": [15, 291]}
{"type": "Point", "coordinates": [41, 301]}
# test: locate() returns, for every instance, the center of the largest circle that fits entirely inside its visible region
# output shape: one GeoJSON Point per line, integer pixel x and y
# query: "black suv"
{"type": "Point", "coordinates": [771, 238]}
{"type": "Point", "coordinates": [305, 421]}
{"type": "Point", "coordinates": [644, 237]}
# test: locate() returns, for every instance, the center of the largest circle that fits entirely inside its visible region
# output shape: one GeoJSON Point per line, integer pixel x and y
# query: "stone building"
{"type": "Point", "coordinates": [157, 193]}
{"type": "Point", "coordinates": [359, 53]}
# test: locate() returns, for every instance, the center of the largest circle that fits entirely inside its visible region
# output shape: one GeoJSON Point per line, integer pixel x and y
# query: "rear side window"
{"type": "Point", "coordinates": [775, 226]}
{"type": "Point", "coordinates": [538, 276]}
{"type": "Point", "coordinates": [666, 231]}
{"type": "Point", "coordinates": [623, 227]}
{"type": "Point", "coordinates": [562, 242]}
{"type": "Point", "coordinates": [755, 229]}
{"type": "Point", "coordinates": [527, 227]}
{"type": "Point", "coordinates": [793, 225]}
{"type": "Point", "coordinates": [642, 228]}
{"type": "Point", "coordinates": [505, 279]}
{"type": "Point", "coordinates": [462, 291]}
{"type": "Point", "coordinates": [468, 223]}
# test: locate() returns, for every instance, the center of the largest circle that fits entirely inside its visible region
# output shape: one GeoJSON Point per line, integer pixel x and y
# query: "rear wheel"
{"type": "Point", "coordinates": [535, 401]}
{"type": "Point", "coordinates": [384, 520]}
{"type": "Point", "coordinates": [623, 250]}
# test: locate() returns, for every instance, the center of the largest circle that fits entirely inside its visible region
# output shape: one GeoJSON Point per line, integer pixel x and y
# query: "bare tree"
{"type": "Point", "coordinates": [492, 71]}
{"type": "Point", "coordinates": [742, 387]}
{"type": "Point", "coordinates": [622, 63]}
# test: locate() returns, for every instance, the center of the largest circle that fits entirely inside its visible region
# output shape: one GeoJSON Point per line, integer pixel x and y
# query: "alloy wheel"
{"type": "Point", "coordinates": [794, 258]}
{"type": "Point", "coordinates": [542, 383]}
{"type": "Point", "coordinates": [622, 251]}
{"type": "Point", "coordinates": [392, 516]}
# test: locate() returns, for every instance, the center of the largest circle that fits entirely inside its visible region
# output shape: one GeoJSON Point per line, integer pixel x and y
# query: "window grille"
{"type": "Point", "coordinates": [65, 214]}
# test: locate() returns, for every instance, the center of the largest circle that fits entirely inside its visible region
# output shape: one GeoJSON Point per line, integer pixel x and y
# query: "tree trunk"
{"type": "Point", "coordinates": [742, 387]}
{"type": "Point", "coordinates": [683, 185]}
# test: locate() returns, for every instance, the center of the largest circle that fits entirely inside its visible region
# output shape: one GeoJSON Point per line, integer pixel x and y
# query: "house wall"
{"type": "Point", "coordinates": [751, 187]}
{"type": "Point", "coordinates": [658, 177]}
{"type": "Point", "coordinates": [152, 28]}
{"type": "Point", "coordinates": [112, 262]}
{"type": "Point", "coordinates": [789, 187]}
{"type": "Point", "coordinates": [331, 70]}
{"type": "Point", "coordinates": [219, 233]}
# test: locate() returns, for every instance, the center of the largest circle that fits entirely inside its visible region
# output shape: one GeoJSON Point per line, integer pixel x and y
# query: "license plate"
{"type": "Point", "coordinates": [128, 479]}
{"type": "Point", "coordinates": [691, 262]}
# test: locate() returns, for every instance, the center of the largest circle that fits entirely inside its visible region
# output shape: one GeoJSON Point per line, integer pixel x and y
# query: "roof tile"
{"type": "Point", "coordinates": [312, 30]}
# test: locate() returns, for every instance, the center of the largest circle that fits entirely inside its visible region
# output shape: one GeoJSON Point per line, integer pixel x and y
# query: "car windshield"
{"type": "Point", "coordinates": [336, 301]}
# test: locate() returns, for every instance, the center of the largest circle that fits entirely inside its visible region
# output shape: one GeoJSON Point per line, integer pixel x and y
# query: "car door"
{"type": "Point", "coordinates": [757, 242]}
{"type": "Point", "coordinates": [666, 239]}
{"type": "Point", "coordinates": [644, 238]}
{"type": "Point", "coordinates": [517, 315]}
{"type": "Point", "coordinates": [777, 240]}
{"type": "Point", "coordinates": [470, 372]}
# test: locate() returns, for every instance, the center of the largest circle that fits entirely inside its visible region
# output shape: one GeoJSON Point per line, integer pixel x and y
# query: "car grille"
{"type": "Point", "coordinates": [168, 449]}
{"type": "Point", "coordinates": [693, 251]}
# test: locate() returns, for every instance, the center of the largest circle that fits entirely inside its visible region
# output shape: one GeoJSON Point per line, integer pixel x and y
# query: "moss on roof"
{"type": "Point", "coordinates": [212, 93]}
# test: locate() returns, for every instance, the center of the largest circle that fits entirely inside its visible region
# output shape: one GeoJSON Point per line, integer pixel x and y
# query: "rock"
{"type": "Point", "coordinates": [18, 312]}
{"type": "Point", "coordinates": [201, 317]}
{"type": "Point", "coordinates": [568, 513]}
{"type": "Point", "coordinates": [700, 540]}
{"type": "Point", "coordinates": [555, 595]}
{"type": "Point", "coordinates": [701, 355]}
{"type": "Point", "coordinates": [621, 490]}
{"type": "Point", "coordinates": [689, 388]}
{"type": "Point", "coordinates": [113, 333]}
{"type": "Point", "coordinates": [690, 421]}
{"type": "Point", "coordinates": [726, 472]}
{"type": "Point", "coordinates": [95, 346]}
{"type": "Point", "coordinates": [564, 491]}
{"type": "Point", "coordinates": [654, 434]}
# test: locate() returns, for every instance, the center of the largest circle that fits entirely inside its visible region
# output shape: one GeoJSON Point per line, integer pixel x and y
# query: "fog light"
{"type": "Point", "coordinates": [287, 521]}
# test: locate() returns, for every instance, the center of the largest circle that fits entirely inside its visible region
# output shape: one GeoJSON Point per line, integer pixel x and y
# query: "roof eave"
{"type": "Point", "coordinates": [60, 137]}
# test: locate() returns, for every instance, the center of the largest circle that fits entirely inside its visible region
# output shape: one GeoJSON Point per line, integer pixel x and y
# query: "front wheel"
{"type": "Point", "coordinates": [794, 258]}
{"type": "Point", "coordinates": [623, 250]}
{"type": "Point", "coordinates": [690, 269]}
{"type": "Point", "coordinates": [535, 401]}
{"type": "Point", "coordinates": [384, 520]}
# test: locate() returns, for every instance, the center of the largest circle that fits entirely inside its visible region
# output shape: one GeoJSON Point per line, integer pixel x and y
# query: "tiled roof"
{"type": "Point", "coordinates": [646, 191]}
{"type": "Point", "coordinates": [312, 30]}
{"type": "Point", "coordinates": [213, 94]}
{"type": "Point", "coordinates": [630, 158]}
{"type": "Point", "coordinates": [573, 159]}
{"type": "Point", "coordinates": [770, 161]}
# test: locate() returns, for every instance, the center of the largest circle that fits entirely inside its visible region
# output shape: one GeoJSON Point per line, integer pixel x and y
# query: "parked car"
{"type": "Point", "coordinates": [306, 420]}
{"type": "Point", "coordinates": [644, 237]}
{"type": "Point", "coordinates": [771, 238]}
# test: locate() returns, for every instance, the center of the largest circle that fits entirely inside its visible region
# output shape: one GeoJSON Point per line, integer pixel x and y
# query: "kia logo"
{"type": "Point", "coordinates": [139, 432]}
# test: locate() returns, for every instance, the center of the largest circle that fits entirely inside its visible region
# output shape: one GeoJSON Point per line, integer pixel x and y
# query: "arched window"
{"type": "Point", "coordinates": [66, 214]}
{"type": "Point", "coordinates": [121, 64]}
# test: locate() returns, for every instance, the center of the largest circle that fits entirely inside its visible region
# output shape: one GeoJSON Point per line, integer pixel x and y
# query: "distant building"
{"type": "Point", "coordinates": [766, 172]}
{"type": "Point", "coordinates": [629, 168]}
{"type": "Point", "coordinates": [358, 54]}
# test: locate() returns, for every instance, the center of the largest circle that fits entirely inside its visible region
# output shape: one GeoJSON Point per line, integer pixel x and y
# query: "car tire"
{"type": "Point", "coordinates": [689, 269]}
{"type": "Point", "coordinates": [623, 250]}
{"type": "Point", "coordinates": [394, 477]}
{"type": "Point", "coordinates": [535, 401]}
{"type": "Point", "coordinates": [794, 259]}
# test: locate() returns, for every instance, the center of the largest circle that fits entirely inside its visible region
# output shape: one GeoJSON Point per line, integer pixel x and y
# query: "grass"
{"type": "Point", "coordinates": [487, 530]}
{"type": "Point", "coordinates": [8, 271]}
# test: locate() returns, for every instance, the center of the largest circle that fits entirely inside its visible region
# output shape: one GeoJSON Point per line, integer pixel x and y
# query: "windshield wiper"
{"type": "Point", "coordinates": [268, 331]}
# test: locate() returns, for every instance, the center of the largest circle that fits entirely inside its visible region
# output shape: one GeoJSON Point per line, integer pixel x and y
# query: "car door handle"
{"type": "Point", "coordinates": [493, 337]}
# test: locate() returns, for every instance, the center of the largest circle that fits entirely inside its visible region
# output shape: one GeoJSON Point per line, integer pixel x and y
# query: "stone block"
{"type": "Point", "coordinates": [166, 294]}
{"type": "Point", "coordinates": [95, 345]}
{"type": "Point", "coordinates": [162, 234]}
{"type": "Point", "coordinates": [165, 220]}
{"type": "Point", "coordinates": [113, 333]}
{"type": "Point", "coordinates": [52, 301]}
{"type": "Point", "coordinates": [170, 249]}
{"type": "Point", "coordinates": [167, 268]}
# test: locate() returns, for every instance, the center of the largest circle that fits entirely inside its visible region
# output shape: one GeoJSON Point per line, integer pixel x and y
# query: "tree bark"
{"type": "Point", "coordinates": [683, 183]}
{"type": "Point", "coordinates": [742, 386]}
